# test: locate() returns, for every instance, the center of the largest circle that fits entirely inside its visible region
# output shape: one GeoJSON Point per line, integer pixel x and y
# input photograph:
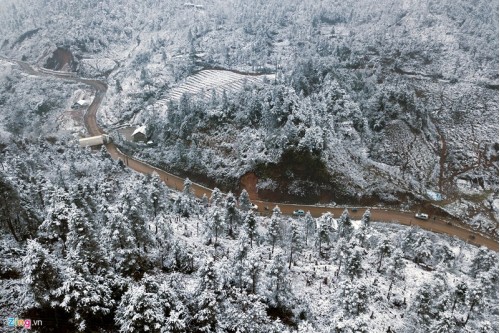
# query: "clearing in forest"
{"type": "Point", "coordinates": [204, 82]}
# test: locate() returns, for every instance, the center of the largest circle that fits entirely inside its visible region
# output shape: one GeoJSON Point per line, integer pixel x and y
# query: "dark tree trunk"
{"type": "Point", "coordinates": [380, 261]}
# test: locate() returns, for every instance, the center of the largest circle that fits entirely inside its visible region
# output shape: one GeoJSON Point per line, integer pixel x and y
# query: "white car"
{"type": "Point", "coordinates": [299, 212]}
{"type": "Point", "coordinates": [422, 216]}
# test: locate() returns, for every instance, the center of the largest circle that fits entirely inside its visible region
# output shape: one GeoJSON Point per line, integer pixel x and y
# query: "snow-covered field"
{"type": "Point", "coordinates": [206, 81]}
{"type": "Point", "coordinates": [383, 101]}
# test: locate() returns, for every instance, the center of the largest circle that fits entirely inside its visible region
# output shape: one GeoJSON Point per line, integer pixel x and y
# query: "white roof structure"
{"type": "Point", "coordinates": [141, 129]}
{"type": "Point", "coordinates": [82, 102]}
{"type": "Point", "coordinates": [94, 140]}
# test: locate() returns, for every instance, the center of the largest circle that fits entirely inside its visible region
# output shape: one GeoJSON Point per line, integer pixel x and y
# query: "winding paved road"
{"type": "Point", "coordinates": [451, 227]}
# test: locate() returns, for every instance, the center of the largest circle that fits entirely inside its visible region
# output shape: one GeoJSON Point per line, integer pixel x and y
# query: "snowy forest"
{"type": "Point", "coordinates": [357, 103]}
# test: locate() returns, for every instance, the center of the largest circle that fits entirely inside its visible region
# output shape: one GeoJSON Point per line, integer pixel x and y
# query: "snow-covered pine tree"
{"type": "Point", "coordinates": [155, 193]}
{"type": "Point", "coordinates": [279, 291]}
{"type": "Point", "coordinates": [483, 261]}
{"type": "Point", "coordinates": [140, 309]}
{"type": "Point", "coordinates": [250, 225]}
{"type": "Point", "coordinates": [239, 262]}
{"type": "Point", "coordinates": [354, 262]}
{"type": "Point", "coordinates": [366, 219]}
{"type": "Point", "coordinates": [323, 233]}
{"type": "Point", "coordinates": [124, 255]}
{"type": "Point", "coordinates": [206, 299]}
{"type": "Point", "coordinates": [274, 230]}
{"type": "Point", "coordinates": [254, 271]}
{"type": "Point", "coordinates": [309, 226]}
{"type": "Point", "coordinates": [231, 215]}
{"type": "Point", "coordinates": [42, 273]}
{"type": "Point", "coordinates": [216, 197]}
{"type": "Point", "coordinates": [385, 249]}
{"type": "Point", "coordinates": [355, 296]}
{"type": "Point", "coordinates": [244, 201]}
{"type": "Point", "coordinates": [85, 252]}
{"type": "Point", "coordinates": [345, 227]}
{"type": "Point", "coordinates": [295, 241]}
{"type": "Point", "coordinates": [242, 312]}
{"type": "Point", "coordinates": [395, 269]}
{"type": "Point", "coordinates": [216, 222]}
{"type": "Point", "coordinates": [459, 295]}
{"type": "Point", "coordinates": [213, 225]}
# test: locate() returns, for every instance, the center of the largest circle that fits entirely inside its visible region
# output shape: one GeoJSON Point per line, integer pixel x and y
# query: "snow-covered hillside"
{"type": "Point", "coordinates": [420, 81]}
{"type": "Point", "coordinates": [376, 103]}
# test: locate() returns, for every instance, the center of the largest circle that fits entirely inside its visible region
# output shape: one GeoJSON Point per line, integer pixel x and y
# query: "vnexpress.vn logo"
{"type": "Point", "coordinates": [24, 323]}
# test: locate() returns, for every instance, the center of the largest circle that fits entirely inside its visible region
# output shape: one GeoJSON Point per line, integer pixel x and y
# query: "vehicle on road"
{"type": "Point", "coordinates": [254, 207]}
{"type": "Point", "coordinates": [354, 210]}
{"type": "Point", "coordinates": [298, 212]}
{"type": "Point", "coordinates": [95, 140]}
{"type": "Point", "coordinates": [422, 216]}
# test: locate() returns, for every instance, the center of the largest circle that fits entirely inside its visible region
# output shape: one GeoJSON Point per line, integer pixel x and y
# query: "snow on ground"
{"type": "Point", "coordinates": [219, 80]}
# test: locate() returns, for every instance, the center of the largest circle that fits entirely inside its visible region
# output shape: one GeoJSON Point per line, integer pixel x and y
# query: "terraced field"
{"type": "Point", "coordinates": [204, 82]}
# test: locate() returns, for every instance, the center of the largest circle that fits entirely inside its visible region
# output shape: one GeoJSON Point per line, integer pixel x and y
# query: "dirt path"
{"type": "Point", "coordinates": [439, 225]}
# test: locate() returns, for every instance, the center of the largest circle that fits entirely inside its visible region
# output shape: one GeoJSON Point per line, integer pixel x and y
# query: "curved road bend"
{"type": "Point", "coordinates": [451, 227]}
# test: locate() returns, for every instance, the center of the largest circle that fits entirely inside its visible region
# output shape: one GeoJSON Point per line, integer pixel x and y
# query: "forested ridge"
{"type": "Point", "coordinates": [384, 103]}
{"type": "Point", "coordinates": [403, 94]}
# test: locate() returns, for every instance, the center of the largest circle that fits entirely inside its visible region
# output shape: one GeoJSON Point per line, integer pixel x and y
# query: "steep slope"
{"type": "Point", "coordinates": [398, 99]}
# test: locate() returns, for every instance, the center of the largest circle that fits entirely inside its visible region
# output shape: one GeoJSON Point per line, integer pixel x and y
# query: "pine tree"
{"type": "Point", "coordinates": [279, 293]}
{"type": "Point", "coordinates": [274, 231]}
{"type": "Point", "coordinates": [54, 229]}
{"type": "Point", "coordinates": [295, 242]}
{"type": "Point", "coordinates": [231, 214]}
{"type": "Point", "coordinates": [385, 249]}
{"type": "Point", "coordinates": [323, 232]}
{"type": "Point", "coordinates": [136, 218]}
{"type": "Point", "coordinates": [140, 310]}
{"type": "Point", "coordinates": [445, 324]}
{"type": "Point", "coordinates": [206, 298]}
{"type": "Point", "coordinates": [354, 266]}
{"type": "Point", "coordinates": [459, 295]}
{"type": "Point", "coordinates": [244, 312]}
{"type": "Point", "coordinates": [187, 190]}
{"type": "Point", "coordinates": [176, 313]}
{"type": "Point", "coordinates": [475, 298]}
{"type": "Point", "coordinates": [366, 219]}
{"type": "Point", "coordinates": [239, 262]}
{"type": "Point", "coordinates": [84, 250]}
{"type": "Point", "coordinates": [251, 227]}
{"type": "Point", "coordinates": [216, 197]}
{"type": "Point", "coordinates": [483, 261]}
{"type": "Point", "coordinates": [345, 227]}
{"type": "Point", "coordinates": [204, 201]}
{"type": "Point", "coordinates": [423, 250]}
{"type": "Point", "coordinates": [216, 223]}
{"type": "Point", "coordinates": [120, 240]}
{"type": "Point", "coordinates": [244, 201]}
{"type": "Point", "coordinates": [42, 272]}
{"type": "Point", "coordinates": [254, 271]}
{"type": "Point", "coordinates": [354, 296]}
{"type": "Point", "coordinates": [395, 269]}
{"type": "Point", "coordinates": [431, 299]}
{"type": "Point", "coordinates": [155, 193]}
{"type": "Point", "coordinates": [309, 225]}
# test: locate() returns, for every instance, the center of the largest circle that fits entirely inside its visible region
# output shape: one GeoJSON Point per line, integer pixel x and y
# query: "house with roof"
{"type": "Point", "coordinates": [140, 135]}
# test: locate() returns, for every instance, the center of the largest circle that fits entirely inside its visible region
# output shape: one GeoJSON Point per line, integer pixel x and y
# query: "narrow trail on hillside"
{"type": "Point", "coordinates": [451, 227]}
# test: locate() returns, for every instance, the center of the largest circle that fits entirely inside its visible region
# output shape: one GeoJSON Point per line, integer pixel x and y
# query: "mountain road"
{"type": "Point", "coordinates": [451, 227]}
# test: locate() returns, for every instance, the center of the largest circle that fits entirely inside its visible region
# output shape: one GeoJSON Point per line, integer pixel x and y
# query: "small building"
{"type": "Point", "coordinates": [94, 140]}
{"type": "Point", "coordinates": [139, 135]}
{"type": "Point", "coordinates": [83, 102]}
